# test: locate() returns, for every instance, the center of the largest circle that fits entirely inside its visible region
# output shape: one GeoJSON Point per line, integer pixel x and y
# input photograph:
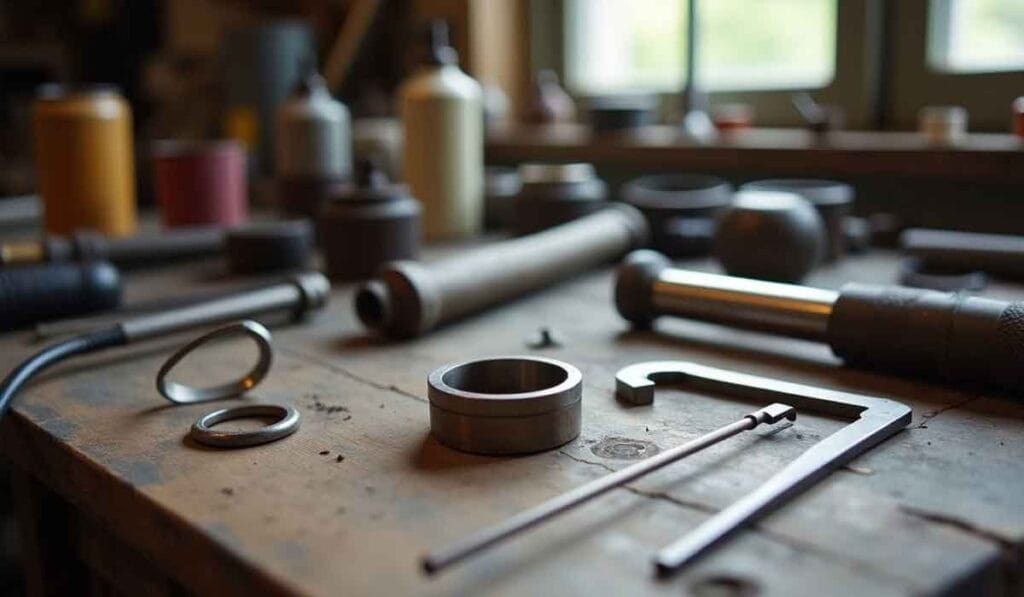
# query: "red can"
{"type": "Point", "coordinates": [1018, 117]}
{"type": "Point", "coordinates": [201, 183]}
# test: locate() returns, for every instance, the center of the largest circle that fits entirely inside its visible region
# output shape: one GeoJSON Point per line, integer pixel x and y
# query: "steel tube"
{"type": "Point", "coordinates": [408, 298]}
{"type": "Point", "coordinates": [786, 309]}
{"type": "Point", "coordinates": [305, 291]}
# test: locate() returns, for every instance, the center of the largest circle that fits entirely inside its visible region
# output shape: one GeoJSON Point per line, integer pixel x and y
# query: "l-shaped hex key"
{"type": "Point", "coordinates": [873, 420]}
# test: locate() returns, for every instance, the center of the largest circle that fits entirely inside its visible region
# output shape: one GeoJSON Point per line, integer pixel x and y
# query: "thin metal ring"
{"type": "Point", "coordinates": [185, 394]}
{"type": "Point", "coordinates": [287, 424]}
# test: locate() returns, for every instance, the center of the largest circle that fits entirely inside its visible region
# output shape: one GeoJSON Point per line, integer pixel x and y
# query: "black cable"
{"type": "Point", "coordinates": [54, 354]}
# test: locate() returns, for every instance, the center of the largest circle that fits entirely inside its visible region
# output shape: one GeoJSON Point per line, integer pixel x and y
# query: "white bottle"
{"type": "Point", "coordinates": [314, 137]}
{"type": "Point", "coordinates": [443, 147]}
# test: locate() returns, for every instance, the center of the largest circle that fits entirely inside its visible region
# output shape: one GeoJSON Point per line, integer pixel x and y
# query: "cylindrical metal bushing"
{"type": "Point", "coordinates": [407, 298]}
{"type": "Point", "coordinates": [553, 194]}
{"type": "Point", "coordinates": [505, 405]}
{"type": "Point", "coordinates": [680, 208]}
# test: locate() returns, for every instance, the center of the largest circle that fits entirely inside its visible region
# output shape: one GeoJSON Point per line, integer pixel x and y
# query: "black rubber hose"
{"type": "Point", "coordinates": [54, 354]}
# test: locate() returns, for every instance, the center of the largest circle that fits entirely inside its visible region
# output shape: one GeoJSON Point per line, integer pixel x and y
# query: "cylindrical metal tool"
{"type": "Point", "coordinates": [181, 243]}
{"type": "Point", "coordinates": [553, 194]}
{"type": "Point", "coordinates": [951, 250]}
{"type": "Point", "coordinates": [285, 245]}
{"type": "Point", "coordinates": [505, 405]}
{"type": "Point", "coordinates": [557, 505]}
{"type": "Point", "coordinates": [40, 292]}
{"type": "Point", "coordinates": [408, 298]}
{"type": "Point", "coordinates": [925, 332]}
{"type": "Point", "coordinates": [681, 209]}
{"type": "Point", "coordinates": [84, 160]}
{"type": "Point", "coordinates": [299, 295]}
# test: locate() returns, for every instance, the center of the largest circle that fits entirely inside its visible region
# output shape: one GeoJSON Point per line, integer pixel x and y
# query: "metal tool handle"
{"type": "Point", "coordinates": [998, 254]}
{"type": "Point", "coordinates": [948, 336]}
{"type": "Point", "coordinates": [35, 293]}
{"type": "Point", "coordinates": [408, 298]}
{"type": "Point", "coordinates": [302, 293]}
{"type": "Point", "coordinates": [177, 244]}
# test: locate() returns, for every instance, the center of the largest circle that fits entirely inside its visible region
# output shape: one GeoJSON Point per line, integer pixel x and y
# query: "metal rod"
{"type": "Point", "coordinates": [947, 336]}
{"type": "Point", "coordinates": [302, 292]}
{"type": "Point", "coordinates": [872, 420]}
{"type": "Point", "coordinates": [786, 309]}
{"type": "Point", "coordinates": [529, 518]}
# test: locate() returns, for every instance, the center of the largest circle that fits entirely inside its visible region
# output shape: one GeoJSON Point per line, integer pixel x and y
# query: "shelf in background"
{"type": "Point", "coordinates": [785, 152]}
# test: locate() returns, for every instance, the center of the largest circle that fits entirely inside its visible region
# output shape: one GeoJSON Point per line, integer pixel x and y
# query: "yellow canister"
{"type": "Point", "coordinates": [84, 160]}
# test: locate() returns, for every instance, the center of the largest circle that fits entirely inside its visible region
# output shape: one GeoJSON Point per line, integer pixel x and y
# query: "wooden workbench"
{"type": "Point", "coordinates": [113, 494]}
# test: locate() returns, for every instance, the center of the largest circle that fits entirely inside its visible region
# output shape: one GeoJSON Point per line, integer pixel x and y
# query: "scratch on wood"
{"type": "Point", "coordinates": [928, 416]}
{"type": "Point", "coordinates": [354, 377]}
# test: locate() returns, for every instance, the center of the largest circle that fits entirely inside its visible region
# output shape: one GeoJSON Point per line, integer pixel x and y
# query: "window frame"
{"type": "Point", "coordinates": [913, 82]}
{"type": "Point", "coordinates": [859, 33]}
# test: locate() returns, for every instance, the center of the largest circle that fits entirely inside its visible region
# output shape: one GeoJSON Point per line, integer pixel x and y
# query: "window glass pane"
{"type": "Point", "coordinates": [766, 44]}
{"type": "Point", "coordinates": [639, 45]}
{"type": "Point", "coordinates": [625, 46]}
{"type": "Point", "coordinates": [977, 35]}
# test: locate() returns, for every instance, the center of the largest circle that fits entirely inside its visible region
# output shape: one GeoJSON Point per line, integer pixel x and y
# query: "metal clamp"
{"type": "Point", "coordinates": [287, 423]}
{"type": "Point", "coordinates": [185, 394]}
{"type": "Point", "coordinates": [873, 420]}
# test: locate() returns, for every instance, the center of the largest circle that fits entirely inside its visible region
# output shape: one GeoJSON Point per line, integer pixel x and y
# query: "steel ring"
{"type": "Point", "coordinates": [185, 394]}
{"type": "Point", "coordinates": [287, 424]}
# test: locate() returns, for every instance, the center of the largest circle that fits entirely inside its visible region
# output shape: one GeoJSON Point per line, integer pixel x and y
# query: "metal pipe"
{"type": "Point", "coordinates": [538, 514]}
{"type": "Point", "coordinates": [408, 298]}
{"type": "Point", "coordinates": [785, 309]}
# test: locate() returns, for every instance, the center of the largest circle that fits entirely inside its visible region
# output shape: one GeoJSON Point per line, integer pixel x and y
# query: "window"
{"type": "Point", "coordinates": [968, 36]}
{"type": "Point", "coordinates": [618, 46]}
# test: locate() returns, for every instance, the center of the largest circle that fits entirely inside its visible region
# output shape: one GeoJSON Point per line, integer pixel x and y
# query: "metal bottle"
{"type": "Point", "coordinates": [314, 134]}
{"type": "Point", "coordinates": [84, 161]}
{"type": "Point", "coordinates": [443, 162]}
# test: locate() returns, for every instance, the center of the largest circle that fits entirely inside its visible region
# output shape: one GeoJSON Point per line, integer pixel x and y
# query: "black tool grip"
{"type": "Point", "coordinates": [40, 292]}
{"type": "Point", "coordinates": [954, 337]}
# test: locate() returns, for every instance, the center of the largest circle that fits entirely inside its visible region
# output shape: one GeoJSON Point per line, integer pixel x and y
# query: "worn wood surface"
{"type": "Point", "coordinates": [938, 508]}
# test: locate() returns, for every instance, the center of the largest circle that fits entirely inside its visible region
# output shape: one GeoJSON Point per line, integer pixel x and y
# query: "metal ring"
{"type": "Point", "coordinates": [287, 424]}
{"type": "Point", "coordinates": [184, 394]}
{"type": "Point", "coordinates": [506, 404]}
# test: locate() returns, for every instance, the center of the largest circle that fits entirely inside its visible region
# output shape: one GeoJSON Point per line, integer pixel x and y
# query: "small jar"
{"type": "Point", "coordinates": [943, 125]}
{"type": "Point", "coordinates": [368, 225]}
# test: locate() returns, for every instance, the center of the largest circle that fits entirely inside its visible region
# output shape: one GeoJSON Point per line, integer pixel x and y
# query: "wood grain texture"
{"type": "Point", "coordinates": [939, 507]}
